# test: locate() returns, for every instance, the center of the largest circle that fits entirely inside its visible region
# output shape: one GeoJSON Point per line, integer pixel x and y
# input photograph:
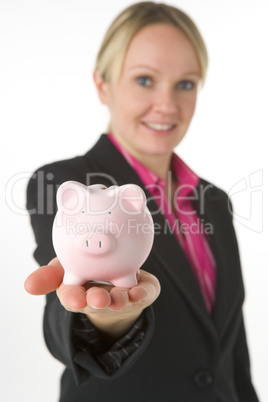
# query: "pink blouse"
{"type": "Point", "coordinates": [186, 225]}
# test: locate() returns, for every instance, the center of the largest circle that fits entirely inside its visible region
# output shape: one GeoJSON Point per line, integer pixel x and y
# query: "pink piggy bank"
{"type": "Point", "coordinates": [102, 234]}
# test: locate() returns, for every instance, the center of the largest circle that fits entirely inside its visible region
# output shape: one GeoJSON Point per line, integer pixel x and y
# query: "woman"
{"type": "Point", "coordinates": [186, 343]}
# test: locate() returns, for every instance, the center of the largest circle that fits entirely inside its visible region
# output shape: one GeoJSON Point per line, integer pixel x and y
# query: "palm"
{"type": "Point", "coordinates": [93, 297]}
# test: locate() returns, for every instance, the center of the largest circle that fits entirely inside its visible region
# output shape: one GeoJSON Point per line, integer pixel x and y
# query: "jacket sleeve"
{"type": "Point", "coordinates": [70, 337]}
{"type": "Point", "coordinates": [243, 382]}
{"type": "Point", "coordinates": [242, 374]}
{"type": "Point", "coordinates": [73, 340]}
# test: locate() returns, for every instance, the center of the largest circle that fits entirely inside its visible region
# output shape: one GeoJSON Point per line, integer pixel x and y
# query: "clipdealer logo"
{"type": "Point", "coordinates": [246, 192]}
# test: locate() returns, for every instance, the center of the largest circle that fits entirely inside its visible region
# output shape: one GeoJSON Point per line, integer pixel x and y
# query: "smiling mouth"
{"type": "Point", "coordinates": [160, 127]}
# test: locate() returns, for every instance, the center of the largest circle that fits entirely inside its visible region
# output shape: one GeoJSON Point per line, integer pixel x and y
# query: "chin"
{"type": "Point", "coordinates": [163, 146]}
{"type": "Point", "coordinates": [157, 151]}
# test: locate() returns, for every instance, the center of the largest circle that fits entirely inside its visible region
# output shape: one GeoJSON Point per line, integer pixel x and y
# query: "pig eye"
{"type": "Point", "coordinates": [83, 212]}
{"type": "Point", "coordinates": [110, 212]}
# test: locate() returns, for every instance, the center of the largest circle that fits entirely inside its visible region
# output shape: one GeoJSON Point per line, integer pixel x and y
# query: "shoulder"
{"type": "Point", "coordinates": [79, 168]}
{"type": "Point", "coordinates": [67, 169]}
{"type": "Point", "coordinates": [46, 179]}
{"type": "Point", "coordinates": [211, 190]}
{"type": "Point", "coordinates": [60, 171]}
{"type": "Point", "coordinates": [214, 198]}
{"type": "Point", "coordinates": [75, 168]}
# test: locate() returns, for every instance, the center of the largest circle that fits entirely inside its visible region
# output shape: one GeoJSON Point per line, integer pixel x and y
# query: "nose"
{"type": "Point", "coordinates": [97, 244]}
{"type": "Point", "coordinates": [165, 102]}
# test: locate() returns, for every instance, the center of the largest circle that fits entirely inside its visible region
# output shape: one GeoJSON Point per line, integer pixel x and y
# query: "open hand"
{"type": "Point", "coordinates": [105, 305]}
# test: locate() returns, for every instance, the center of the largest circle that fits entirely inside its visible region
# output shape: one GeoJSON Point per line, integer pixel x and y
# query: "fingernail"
{"type": "Point", "coordinates": [96, 308]}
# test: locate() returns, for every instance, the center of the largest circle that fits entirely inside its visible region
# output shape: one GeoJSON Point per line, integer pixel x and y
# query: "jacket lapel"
{"type": "Point", "coordinates": [113, 169]}
{"type": "Point", "coordinates": [229, 291]}
{"type": "Point", "coordinates": [173, 260]}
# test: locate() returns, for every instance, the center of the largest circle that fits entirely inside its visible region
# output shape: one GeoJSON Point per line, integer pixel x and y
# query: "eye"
{"type": "Point", "coordinates": [144, 81]}
{"type": "Point", "coordinates": [186, 85]}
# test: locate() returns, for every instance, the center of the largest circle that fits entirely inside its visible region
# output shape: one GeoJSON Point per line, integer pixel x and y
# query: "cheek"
{"type": "Point", "coordinates": [188, 107]}
{"type": "Point", "coordinates": [136, 100]}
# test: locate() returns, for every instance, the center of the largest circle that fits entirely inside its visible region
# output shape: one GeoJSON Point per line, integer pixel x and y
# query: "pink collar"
{"type": "Point", "coordinates": [187, 179]}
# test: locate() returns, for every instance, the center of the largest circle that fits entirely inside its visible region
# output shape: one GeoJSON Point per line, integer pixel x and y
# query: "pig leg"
{"type": "Point", "coordinates": [127, 281]}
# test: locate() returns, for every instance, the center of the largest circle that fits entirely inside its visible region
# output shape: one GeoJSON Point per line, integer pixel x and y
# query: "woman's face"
{"type": "Point", "coordinates": [153, 102]}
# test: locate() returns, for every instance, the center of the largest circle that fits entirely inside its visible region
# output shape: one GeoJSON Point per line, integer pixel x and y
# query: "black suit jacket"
{"type": "Point", "coordinates": [187, 355]}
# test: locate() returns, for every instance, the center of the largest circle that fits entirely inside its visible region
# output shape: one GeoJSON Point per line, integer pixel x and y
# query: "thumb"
{"type": "Point", "coordinates": [45, 279]}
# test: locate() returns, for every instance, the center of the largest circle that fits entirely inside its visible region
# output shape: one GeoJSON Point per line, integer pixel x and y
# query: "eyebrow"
{"type": "Point", "coordinates": [144, 66]}
{"type": "Point", "coordinates": [157, 71]}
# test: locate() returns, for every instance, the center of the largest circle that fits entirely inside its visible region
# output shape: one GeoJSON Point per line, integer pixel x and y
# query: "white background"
{"type": "Point", "coordinates": [49, 111]}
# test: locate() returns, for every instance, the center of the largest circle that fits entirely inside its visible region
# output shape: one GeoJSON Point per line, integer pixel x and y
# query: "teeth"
{"type": "Point", "coordinates": [160, 126]}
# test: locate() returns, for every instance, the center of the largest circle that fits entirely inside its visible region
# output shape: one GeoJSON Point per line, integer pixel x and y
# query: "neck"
{"type": "Point", "coordinates": [158, 164]}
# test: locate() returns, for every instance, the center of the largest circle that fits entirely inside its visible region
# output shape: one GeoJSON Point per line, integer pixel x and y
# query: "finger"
{"type": "Point", "coordinates": [148, 288]}
{"type": "Point", "coordinates": [45, 279]}
{"type": "Point", "coordinates": [138, 294]}
{"type": "Point", "coordinates": [72, 297]}
{"type": "Point", "coordinates": [98, 298]}
{"type": "Point", "coordinates": [119, 299]}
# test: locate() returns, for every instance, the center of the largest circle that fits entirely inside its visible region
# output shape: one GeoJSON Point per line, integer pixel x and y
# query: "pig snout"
{"type": "Point", "coordinates": [97, 243]}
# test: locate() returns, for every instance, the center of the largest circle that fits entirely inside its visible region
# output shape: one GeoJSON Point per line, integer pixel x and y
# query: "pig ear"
{"type": "Point", "coordinates": [71, 196]}
{"type": "Point", "coordinates": [132, 198]}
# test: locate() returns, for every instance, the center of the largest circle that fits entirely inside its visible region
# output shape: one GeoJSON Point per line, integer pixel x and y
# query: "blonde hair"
{"type": "Point", "coordinates": [130, 21]}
